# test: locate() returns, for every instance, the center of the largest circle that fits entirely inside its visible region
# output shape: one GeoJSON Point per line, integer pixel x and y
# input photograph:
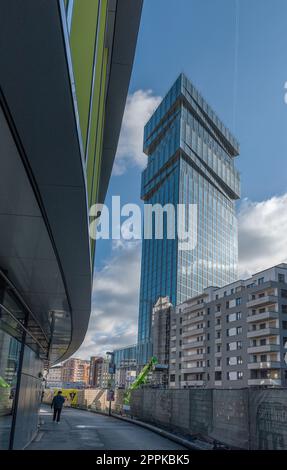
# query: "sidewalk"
{"type": "Point", "coordinates": [82, 430]}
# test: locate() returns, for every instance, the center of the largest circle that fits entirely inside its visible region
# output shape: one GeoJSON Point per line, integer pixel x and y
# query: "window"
{"type": "Point", "coordinates": [218, 321]}
{"type": "Point", "coordinates": [231, 375]}
{"type": "Point", "coordinates": [180, 320]}
{"type": "Point", "coordinates": [284, 293]}
{"type": "Point", "coordinates": [208, 349]}
{"type": "Point", "coordinates": [227, 304]}
{"type": "Point", "coordinates": [263, 358]}
{"type": "Point", "coordinates": [281, 277]}
{"type": "Point", "coordinates": [284, 308]}
{"type": "Point", "coordinates": [238, 301]}
{"type": "Point", "coordinates": [284, 325]}
{"type": "Point", "coordinates": [218, 334]}
{"type": "Point", "coordinates": [180, 342]}
{"type": "Point", "coordinates": [208, 311]}
{"type": "Point", "coordinates": [260, 281]}
{"type": "Point", "coordinates": [234, 346]}
{"type": "Point", "coordinates": [180, 331]}
{"type": "Point", "coordinates": [208, 336]}
{"type": "Point", "coordinates": [232, 291]}
{"type": "Point", "coordinates": [218, 362]}
{"type": "Point", "coordinates": [218, 348]}
{"type": "Point", "coordinates": [172, 378]}
{"type": "Point", "coordinates": [208, 324]}
{"type": "Point", "coordinates": [208, 363]}
{"type": "Point", "coordinates": [218, 308]}
{"type": "Point", "coordinates": [233, 317]}
{"type": "Point", "coordinates": [217, 376]}
{"type": "Point", "coordinates": [263, 342]}
{"type": "Point", "coordinates": [234, 360]}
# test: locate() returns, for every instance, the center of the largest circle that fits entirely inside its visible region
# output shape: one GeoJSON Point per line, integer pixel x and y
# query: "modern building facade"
{"type": "Point", "coordinates": [125, 373]}
{"type": "Point", "coordinates": [128, 353]}
{"type": "Point", "coordinates": [64, 75]}
{"type": "Point", "coordinates": [234, 336]}
{"type": "Point", "coordinates": [160, 334]}
{"type": "Point", "coordinates": [96, 371]}
{"type": "Point", "coordinates": [190, 162]}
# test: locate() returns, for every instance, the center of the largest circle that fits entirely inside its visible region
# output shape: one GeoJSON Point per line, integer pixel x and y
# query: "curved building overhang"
{"type": "Point", "coordinates": [44, 239]}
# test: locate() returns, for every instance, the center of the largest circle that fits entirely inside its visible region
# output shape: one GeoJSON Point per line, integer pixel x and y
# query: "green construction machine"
{"type": "Point", "coordinates": [140, 380]}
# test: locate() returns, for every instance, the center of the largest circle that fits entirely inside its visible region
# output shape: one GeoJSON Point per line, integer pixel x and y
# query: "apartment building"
{"type": "Point", "coordinates": [234, 336]}
{"type": "Point", "coordinates": [76, 370]}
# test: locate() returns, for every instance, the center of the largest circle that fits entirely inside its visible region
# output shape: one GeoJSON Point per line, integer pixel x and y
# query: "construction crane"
{"type": "Point", "coordinates": [140, 380]}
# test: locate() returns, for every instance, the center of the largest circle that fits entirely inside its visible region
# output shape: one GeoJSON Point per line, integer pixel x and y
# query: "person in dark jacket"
{"type": "Point", "coordinates": [57, 404]}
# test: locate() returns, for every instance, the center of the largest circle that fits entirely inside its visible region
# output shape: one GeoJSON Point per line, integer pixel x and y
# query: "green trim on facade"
{"type": "Point", "coordinates": [98, 101]}
{"type": "Point", "coordinates": [83, 43]}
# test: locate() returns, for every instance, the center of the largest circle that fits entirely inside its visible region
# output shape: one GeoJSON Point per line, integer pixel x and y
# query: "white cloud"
{"type": "Point", "coordinates": [114, 317]}
{"type": "Point", "coordinates": [140, 106]}
{"type": "Point", "coordinates": [262, 234]}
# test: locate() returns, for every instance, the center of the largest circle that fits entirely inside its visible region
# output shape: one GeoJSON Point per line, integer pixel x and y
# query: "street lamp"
{"type": "Point", "coordinates": [111, 391]}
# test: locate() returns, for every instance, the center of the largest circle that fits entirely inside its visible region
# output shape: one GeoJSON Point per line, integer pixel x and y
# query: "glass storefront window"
{"type": "Point", "coordinates": [9, 362]}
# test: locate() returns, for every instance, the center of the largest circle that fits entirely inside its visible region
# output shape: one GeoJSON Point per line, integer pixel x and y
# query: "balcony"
{"type": "Point", "coordinates": [192, 370]}
{"type": "Point", "coordinates": [264, 365]}
{"type": "Point", "coordinates": [173, 349]}
{"type": "Point", "coordinates": [192, 357]}
{"type": "Point", "coordinates": [217, 327]}
{"type": "Point", "coordinates": [218, 341]}
{"type": "Point", "coordinates": [218, 383]}
{"type": "Point", "coordinates": [263, 348]}
{"type": "Point", "coordinates": [190, 321]}
{"type": "Point", "coordinates": [193, 344]}
{"type": "Point", "coordinates": [270, 331]}
{"type": "Point", "coordinates": [192, 332]}
{"type": "Point", "coordinates": [270, 382]}
{"type": "Point", "coordinates": [267, 299]}
{"type": "Point", "coordinates": [173, 338]}
{"type": "Point", "coordinates": [262, 316]}
{"type": "Point", "coordinates": [192, 383]}
{"type": "Point", "coordinates": [217, 314]}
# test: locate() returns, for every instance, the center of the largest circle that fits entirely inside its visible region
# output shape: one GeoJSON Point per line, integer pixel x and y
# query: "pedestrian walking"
{"type": "Point", "coordinates": [57, 404]}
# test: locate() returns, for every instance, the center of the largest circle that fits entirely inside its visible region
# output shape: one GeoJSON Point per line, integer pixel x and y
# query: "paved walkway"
{"type": "Point", "coordinates": [83, 430]}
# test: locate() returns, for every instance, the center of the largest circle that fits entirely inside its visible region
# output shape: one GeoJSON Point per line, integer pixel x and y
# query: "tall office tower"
{"type": "Point", "coordinates": [190, 161]}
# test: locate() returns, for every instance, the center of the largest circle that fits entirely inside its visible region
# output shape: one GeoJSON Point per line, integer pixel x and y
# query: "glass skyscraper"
{"type": "Point", "coordinates": [190, 161]}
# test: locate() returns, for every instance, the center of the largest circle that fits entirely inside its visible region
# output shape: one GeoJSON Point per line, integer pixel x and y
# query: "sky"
{"type": "Point", "coordinates": [234, 51]}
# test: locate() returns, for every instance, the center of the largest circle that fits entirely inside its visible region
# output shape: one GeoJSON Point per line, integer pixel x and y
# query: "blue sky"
{"type": "Point", "coordinates": [234, 51]}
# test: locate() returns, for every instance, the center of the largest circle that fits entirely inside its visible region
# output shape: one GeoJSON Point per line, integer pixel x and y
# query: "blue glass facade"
{"type": "Point", "coordinates": [190, 161]}
{"type": "Point", "coordinates": [128, 353]}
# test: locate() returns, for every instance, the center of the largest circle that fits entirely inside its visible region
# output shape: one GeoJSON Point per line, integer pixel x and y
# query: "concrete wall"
{"type": "Point", "coordinates": [92, 398]}
{"type": "Point", "coordinates": [246, 418]}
